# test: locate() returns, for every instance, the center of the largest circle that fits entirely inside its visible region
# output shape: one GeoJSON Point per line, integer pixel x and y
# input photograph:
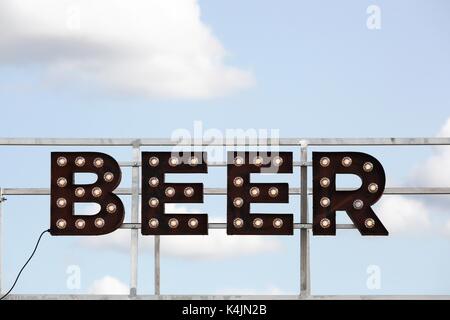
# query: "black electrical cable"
{"type": "Point", "coordinates": [29, 259]}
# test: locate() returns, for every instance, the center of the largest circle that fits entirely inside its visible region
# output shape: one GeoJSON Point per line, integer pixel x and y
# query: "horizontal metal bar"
{"type": "Point", "coordinates": [224, 164]}
{"type": "Point", "coordinates": [223, 191]}
{"type": "Point", "coordinates": [222, 297]}
{"type": "Point", "coordinates": [223, 225]}
{"type": "Point", "coordinates": [229, 142]}
{"type": "Point", "coordinates": [377, 141]}
{"type": "Point", "coordinates": [129, 164]}
{"type": "Point", "coordinates": [143, 142]}
{"type": "Point", "coordinates": [132, 226]}
{"type": "Point", "coordinates": [213, 164]}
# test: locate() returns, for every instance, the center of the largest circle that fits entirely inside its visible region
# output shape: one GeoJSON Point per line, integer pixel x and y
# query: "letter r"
{"type": "Point", "coordinates": [357, 203]}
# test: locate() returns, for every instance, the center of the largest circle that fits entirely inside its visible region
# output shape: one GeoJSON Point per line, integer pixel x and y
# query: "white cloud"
{"type": "Point", "coordinates": [157, 48]}
{"type": "Point", "coordinates": [445, 130]}
{"type": "Point", "coordinates": [435, 171]}
{"type": "Point", "coordinates": [108, 285]}
{"type": "Point", "coordinates": [217, 245]}
{"type": "Point", "coordinates": [401, 214]}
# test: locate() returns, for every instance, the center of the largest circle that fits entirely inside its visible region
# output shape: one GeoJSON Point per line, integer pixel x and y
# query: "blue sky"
{"type": "Point", "coordinates": [308, 69]}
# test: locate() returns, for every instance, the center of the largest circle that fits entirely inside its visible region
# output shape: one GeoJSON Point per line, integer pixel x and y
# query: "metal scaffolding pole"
{"type": "Point", "coordinates": [305, 290]}
{"type": "Point", "coordinates": [134, 219]}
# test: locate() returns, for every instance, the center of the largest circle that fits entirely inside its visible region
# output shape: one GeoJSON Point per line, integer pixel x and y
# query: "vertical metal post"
{"type": "Point", "coordinates": [157, 265]}
{"type": "Point", "coordinates": [305, 289]}
{"type": "Point", "coordinates": [1, 238]}
{"type": "Point", "coordinates": [134, 218]}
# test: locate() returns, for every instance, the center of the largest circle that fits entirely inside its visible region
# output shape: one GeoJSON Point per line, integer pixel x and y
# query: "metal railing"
{"type": "Point", "coordinates": [303, 225]}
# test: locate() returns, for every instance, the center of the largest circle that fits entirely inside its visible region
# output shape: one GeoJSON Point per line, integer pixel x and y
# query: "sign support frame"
{"type": "Point", "coordinates": [304, 226]}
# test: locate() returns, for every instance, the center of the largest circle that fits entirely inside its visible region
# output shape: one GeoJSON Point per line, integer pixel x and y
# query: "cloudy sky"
{"type": "Point", "coordinates": [74, 68]}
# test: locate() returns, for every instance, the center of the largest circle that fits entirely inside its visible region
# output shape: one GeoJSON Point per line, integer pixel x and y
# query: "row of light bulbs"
{"type": "Point", "coordinates": [258, 223]}
{"type": "Point", "coordinates": [254, 191]}
{"type": "Point", "coordinates": [80, 162]}
{"type": "Point", "coordinates": [80, 223]}
{"type": "Point", "coordinates": [238, 161]}
{"type": "Point", "coordinates": [258, 161]}
{"type": "Point", "coordinates": [173, 161]}
{"type": "Point", "coordinates": [173, 223]}
{"type": "Point", "coordinates": [326, 223]}
{"type": "Point", "coordinates": [346, 162]}
{"type": "Point", "coordinates": [170, 191]}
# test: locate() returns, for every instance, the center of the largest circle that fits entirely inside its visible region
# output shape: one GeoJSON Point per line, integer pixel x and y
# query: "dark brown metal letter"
{"type": "Point", "coordinates": [357, 203]}
{"type": "Point", "coordinates": [156, 192]}
{"type": "Point", "coordinates": [241, 193]}
{"type": "Point", "coordinates": [64, 194]}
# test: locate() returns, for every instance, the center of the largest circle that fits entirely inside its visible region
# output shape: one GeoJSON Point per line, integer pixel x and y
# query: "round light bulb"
{"type": "Point", "coordinates": [153, 161]}
{"type": "Point", "coordinates": [193, 223]}
{"type": "Point", "coordinates": [273, 192]}
{"type": "Point", "coordinates": [347, 161]}
{"type": "Point", "coordinates": [61, 224]}
{"type": "Point", "coordinates": [254, 192]}
{"type": "Point", "coordinates": [80, 224]}
{"type": "Point", "coordinates": [108, 176]}
{"type": "Point", "coordinates": [238, 161]}
{"type": "Point", "coordinates": [173, 161]}
{"type": "Point", "coordinates": [238, 223]}
{"type": "Point", "coordinates": [173, 223]}
{"type": "Point", "coordinates": [258, 223]}
{"type": "Point", "coordinates": [79, 192]}
{"type": "Point", "coordinates": [99, 223]}
{"type": "Point", "coordinates": [153, 223]}
{"type": "Point", "coordinates": [373, 187]}
{"type": "Point", "coordinates": [153, 182]}
{"type": "Point", "coordinates": [188, 192]}
{"type": "Point", "coordinates": [325, 162]}
{"type": "Point", "coordinates": [80, 161]}
{"type": "Point", "coordinates": [111, 208]}
{"type": "Point", "coordinates": [193, 161]}
{"type": "Point", "coordinates": [277, 223]}
{"type": "Point", "coordinates": [368, 167]}
{"type": "Point", "coordinates": [238, 182]}
{"type": "Point", "coordinates": [358, 204]}
{"type": "Point", "coordinates": [325, 223]}
{"type": "Point", "coordinates": [153, 202]}
{"type": "Point", "coordinates": [61, 202]}
{"type": "Point", "coordinates": [61, 161]}
{"type": "Point", "coordinates": [170, 192]}
{"type": "Point", "coordinates": [258, 161]}
{"type": "Point", "coordinates": [61, 182]}
{"type": "Point", "coordinates": [369, 223]}
{"type": "Point", "coordinates": [98, 162]}
{"type": "Point", "coordinates": [325, 202]}
{"type": "Point", "coordinates": [277, 161]}
{"type": "Point", "coordinates": [96, 192]}
{"type": "Point", "coordinates": [238, 202]}
{"type": "Point", "coordinates": [325, 182]}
